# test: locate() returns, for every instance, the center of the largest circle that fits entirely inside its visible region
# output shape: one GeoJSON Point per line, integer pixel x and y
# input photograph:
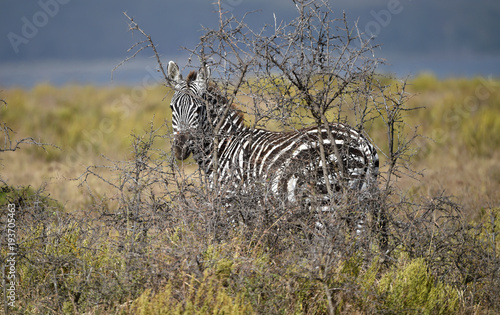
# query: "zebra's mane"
{"type": "Point", "coordinates": [191, 77]}
{"type": "Point", "coordinates": [214, 91]}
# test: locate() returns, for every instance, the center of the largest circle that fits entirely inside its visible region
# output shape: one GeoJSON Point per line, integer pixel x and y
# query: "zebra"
{"type": "Point", "coordinates": [287, 163]}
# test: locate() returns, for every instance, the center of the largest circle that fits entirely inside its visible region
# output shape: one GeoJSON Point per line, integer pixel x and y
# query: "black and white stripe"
{"type": "Point", "coordinates": [287, 163]}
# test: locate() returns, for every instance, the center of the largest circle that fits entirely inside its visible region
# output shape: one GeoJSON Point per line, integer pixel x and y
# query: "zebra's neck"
{"type": "Point", "coordinates": [232, 127]}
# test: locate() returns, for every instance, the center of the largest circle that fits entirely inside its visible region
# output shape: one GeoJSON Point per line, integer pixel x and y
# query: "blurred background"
{"type": "Point", "coordinates": [75, 41]}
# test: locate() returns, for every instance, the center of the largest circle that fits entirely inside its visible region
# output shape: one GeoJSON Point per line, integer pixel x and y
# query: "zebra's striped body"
{"type": "Point", "coordinates": [287, 163]}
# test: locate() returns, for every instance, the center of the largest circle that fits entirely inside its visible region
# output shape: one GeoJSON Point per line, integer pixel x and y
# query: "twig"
{"type": "Point", "coordinates": [135, 27]}
{"type": "Point", "coordinates": [11, 145]}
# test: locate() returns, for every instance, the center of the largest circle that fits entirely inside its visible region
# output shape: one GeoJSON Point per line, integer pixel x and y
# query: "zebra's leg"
{"type": "Point", "coordinates": [373, 219]}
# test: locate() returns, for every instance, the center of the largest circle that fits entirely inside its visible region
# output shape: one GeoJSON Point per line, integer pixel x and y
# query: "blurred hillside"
{"type": "Point", "coordinates": [89, 30]}
{"type": "Point", "coordinates": [81, 41]}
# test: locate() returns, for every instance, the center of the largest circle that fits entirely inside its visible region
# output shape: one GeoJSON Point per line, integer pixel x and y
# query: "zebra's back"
{"type": "Point", "coordinates": [286, 162]}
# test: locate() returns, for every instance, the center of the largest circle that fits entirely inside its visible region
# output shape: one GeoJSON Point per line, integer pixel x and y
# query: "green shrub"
{"type": "Point", "coordinates": [410, 288]}
{"type": "Point", "coordinates": [204, 296]}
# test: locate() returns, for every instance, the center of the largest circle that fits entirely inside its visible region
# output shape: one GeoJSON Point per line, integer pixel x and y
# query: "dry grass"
{"type": "Point", "coordinates": [86, 123]}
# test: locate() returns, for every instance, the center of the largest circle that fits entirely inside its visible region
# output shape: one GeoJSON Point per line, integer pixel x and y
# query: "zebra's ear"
{"type": "Point", "coordinates": [204, 73]}
{"type": "Point", "coordinates": [174, 74]}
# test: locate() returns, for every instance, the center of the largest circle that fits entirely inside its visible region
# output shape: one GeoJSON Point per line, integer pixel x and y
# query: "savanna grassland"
{"type": "Point", "coordinates": [456, 153]}
{"type": "Point", "coordinates": [77, 254]}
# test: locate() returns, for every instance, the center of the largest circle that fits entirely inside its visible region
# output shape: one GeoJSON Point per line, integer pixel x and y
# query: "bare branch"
{"type": "Point", "coordinates": [13, 145]}
{"type": "Point", "coordinates": [133, 26]}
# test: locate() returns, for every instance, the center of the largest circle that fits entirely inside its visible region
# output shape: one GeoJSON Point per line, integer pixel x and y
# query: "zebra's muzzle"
{"type": "Point", "coordinates": [181, 146]}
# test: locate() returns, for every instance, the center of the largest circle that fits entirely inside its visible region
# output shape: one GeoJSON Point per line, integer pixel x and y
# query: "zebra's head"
{"type": "Point", "coordinates": [188, 108]}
